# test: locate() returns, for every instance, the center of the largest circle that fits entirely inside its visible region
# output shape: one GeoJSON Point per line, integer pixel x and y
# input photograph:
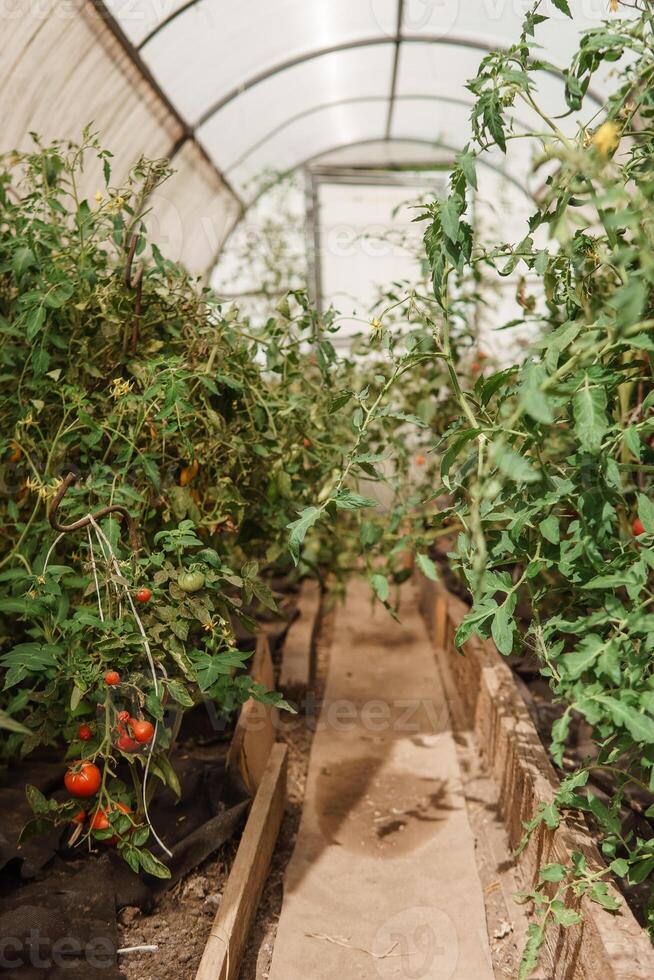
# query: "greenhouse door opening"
{"type": "Point", "coordinates": [364, 239]}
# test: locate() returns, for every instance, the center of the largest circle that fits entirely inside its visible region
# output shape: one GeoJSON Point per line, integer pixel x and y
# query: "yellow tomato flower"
{"type": "Point", "coordinates": [606, 138]}
{"type": "Point", "coordinates": [98, 197]}
{"type": "Point", "coordinates": [375, 324]}
{"type": "Point", "coordinates": [119, 388]}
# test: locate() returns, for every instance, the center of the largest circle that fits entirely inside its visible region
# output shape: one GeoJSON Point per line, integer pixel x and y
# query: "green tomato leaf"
{"type": "Point", "coordinates": [299, 528]}
{"type": "Point", "coordinates": [563, 6]}
{"type": "Point", "coordinates": [427, 567]}
{"type": "Point", "coordinates": [646, 512]}
{"type": "Point", "coordinates": [381, 587]}
{"type": "Point", "coordinates": [589, 406]}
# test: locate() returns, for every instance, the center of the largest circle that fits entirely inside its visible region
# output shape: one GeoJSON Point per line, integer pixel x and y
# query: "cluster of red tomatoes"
{"type": "Point", "coordinates": [132, 732]}
{"type": "Point", "coordinates": [82, 780]}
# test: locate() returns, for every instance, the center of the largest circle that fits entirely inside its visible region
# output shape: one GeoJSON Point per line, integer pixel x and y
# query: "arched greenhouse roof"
{"type": "Point", "coordinates": [232, 90]}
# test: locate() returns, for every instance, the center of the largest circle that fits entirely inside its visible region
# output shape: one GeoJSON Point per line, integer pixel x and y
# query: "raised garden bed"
{"type": "Point", "coordinates": [219, 774]}
{"type": "Point", "coordinates": [484, 700]}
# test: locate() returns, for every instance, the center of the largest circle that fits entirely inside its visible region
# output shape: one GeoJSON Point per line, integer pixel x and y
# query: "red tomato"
{"type": "Point", "coordinates": [126, 744]}
{"type": "Point", "coordinates": [142, 730]}
{"type": "Point", "coordinates": [100, 821]}
{"type": "Point", "coordinates": [475, 368]}
{"type": "Point", "coordinates": [79, 817]}
{"type": "Point", "coordinates": [420, 460]}
{"type": "Point", "coordinates": [85, 732]}
{"type": "Point", "coordinates": [83, 779]}
{"type": "Point", "coordinates": [306, 442]}
{"type": "Point", "coordinates": [112, 677]}
{"type": "Point", "coordinates": [637, 526]}
{"type": "Point", "coordinates": [143, 594]}
{"type": "Point", "coordinates": [123, 715]}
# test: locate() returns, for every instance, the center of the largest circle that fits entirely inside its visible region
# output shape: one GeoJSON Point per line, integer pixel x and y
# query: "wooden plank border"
{"type": "Point", "coordinates": [261, 763]}
{"type": "Point", "coordinates": [222, 955]}
{"type": "Point", "coordinates": [485, 700]}
{"type": "Point", "coordinates": [256, 729]}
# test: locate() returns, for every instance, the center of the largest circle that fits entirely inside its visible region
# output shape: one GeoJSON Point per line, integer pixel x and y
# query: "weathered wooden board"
{"type": "Point", "coordinates": [485, 700]}
{"type": "Point", "coordinates": [256, 729]}
{"type": "Point", "coordinates": [222, 955]}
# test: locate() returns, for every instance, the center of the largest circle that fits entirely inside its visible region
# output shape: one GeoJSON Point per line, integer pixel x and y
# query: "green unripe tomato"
{"type": "Point", "coordinates": [191, 581]}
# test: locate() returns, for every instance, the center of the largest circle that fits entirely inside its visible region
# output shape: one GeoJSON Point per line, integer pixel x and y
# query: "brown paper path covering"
{"type": "Point", "coordinates": [383, 882]}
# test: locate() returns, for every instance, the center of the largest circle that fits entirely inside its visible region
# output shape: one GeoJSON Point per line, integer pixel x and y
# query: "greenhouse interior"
{"type": "Point", "coordinates": [327, 470]}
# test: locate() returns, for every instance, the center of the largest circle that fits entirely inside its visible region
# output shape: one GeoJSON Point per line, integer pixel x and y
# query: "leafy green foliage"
{"type": "Point", "coordinates": [212, 431]}
{"type": "Point", "coordinates": [549, 462]}
{"type": "Point", "coordinates": [238, 447]}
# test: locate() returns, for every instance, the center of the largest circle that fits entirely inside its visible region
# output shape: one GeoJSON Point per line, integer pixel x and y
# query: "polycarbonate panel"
{"type": "Point", "coordinates": [308, 136]}
{"type": "Point", "coordinates": [448, 125]}
{"type": "Point", "coordinates": [63, 69]}
{"type": "Point", "coordinates": [138, 18]}
{"type": "Point", "coordinates": [499, 23]}
{"type": "Point", "coordinates": [217, 45]}
{"type": "Point", "coordinates": [256, 115]}
{"type": "Point", "coordinates": [193, 212]}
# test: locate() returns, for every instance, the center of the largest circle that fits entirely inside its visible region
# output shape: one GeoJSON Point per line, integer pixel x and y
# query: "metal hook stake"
{"type": "Point", "coordinates": [84, 521]}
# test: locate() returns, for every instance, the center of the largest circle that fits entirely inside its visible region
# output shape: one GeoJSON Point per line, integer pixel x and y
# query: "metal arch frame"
{"type": "Point", "coordinates": [418, 97]}
{"type": "Point", "coordinates": [457, 42]}
{"type": "Point", "coordinates": [435, 144]}
{"type": "Point", "coordinates": [165, 22]}
{"type": "Point", "coordinates": [396, 63]}
{"type": "Point", "coordinates": [397, 39]}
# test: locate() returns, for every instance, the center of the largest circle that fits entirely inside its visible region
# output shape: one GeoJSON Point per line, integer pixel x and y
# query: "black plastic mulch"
{"type": "Point", "coordinates": [58, 904]}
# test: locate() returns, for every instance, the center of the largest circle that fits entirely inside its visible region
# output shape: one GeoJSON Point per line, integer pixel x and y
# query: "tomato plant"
{"type": "Point", "coordinates": [547, 463]}
{"type": "Point", "coordinates": [213, 431]}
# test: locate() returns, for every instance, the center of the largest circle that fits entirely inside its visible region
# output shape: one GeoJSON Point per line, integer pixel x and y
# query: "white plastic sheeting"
{"type": "Point", "coordinates": [261, 85]}
{"type": "Point", "coordinates": [224, 65]}
{"type": "Point", "coordinates": [61, 68]}
{"type": "Point", "coordinates": [250, 120]}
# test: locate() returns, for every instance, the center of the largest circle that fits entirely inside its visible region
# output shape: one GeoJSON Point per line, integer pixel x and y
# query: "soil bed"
{"type": "Point", "coordinates": [580, 748]}
{"type": "Point", "coordinates": [60, 891]}
{"type": "Point", "coordinates": [179, 924]}
{"type": "Point", "coordinates": [297, 731]}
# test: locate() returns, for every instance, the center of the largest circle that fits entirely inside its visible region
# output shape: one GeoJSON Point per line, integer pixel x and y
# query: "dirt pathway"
{"type": "Point", "coordinates": [383, 881]}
